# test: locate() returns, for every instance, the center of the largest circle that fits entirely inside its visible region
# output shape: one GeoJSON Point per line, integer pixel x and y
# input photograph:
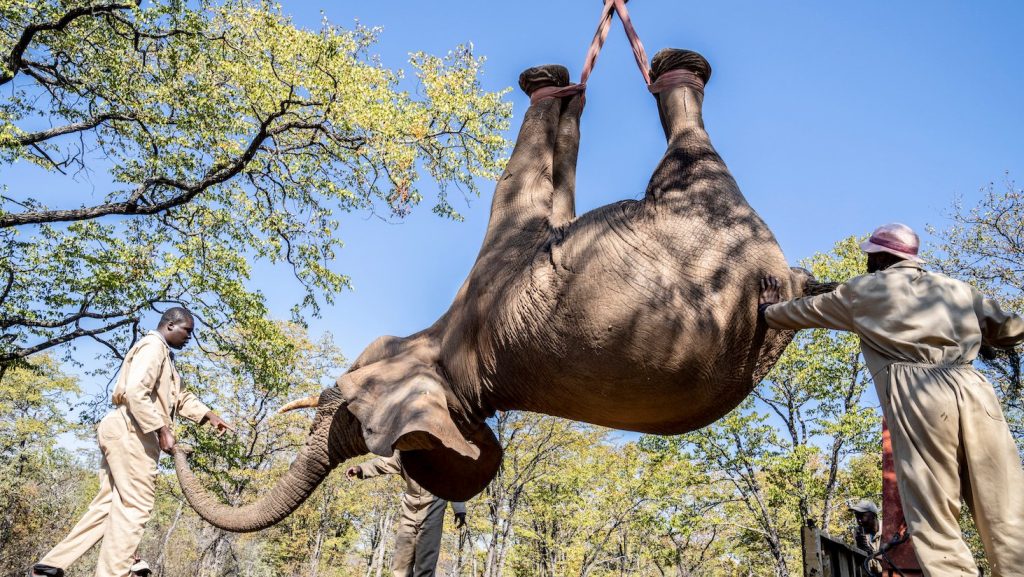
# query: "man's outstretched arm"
{"type": "Point", "coordinates": [376, 467]}
{"type": "Point", "coordinates": [826, 311]}
{"type": "Point", "coordinates": [999, 329]}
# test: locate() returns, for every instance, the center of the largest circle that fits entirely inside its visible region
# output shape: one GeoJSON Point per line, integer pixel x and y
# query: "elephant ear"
{"type": "Point", "coordinates": [452, 476]}
{"type": "Point", "coordinates": [402, 404]}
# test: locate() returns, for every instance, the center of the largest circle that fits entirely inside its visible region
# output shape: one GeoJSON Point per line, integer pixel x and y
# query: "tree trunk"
{"type": "Point", "coordinates": [376, 567]}
{"type": "Point", "coordinates": [158, 565]}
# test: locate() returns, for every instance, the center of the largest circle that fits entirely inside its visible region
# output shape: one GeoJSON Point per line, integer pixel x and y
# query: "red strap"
{"type": "Point", "coordinates": [607, 13]}
{"type": "Point", "coordinates": [556, 92]}
{"type": "Point", "coordinates": [611, 7]}
{"type": "Point", "coordinates": [677, 77]}
{"type": "Point", "coordinates": [599, 37]}
{"type": "Point", "coordinates": [634, 39]}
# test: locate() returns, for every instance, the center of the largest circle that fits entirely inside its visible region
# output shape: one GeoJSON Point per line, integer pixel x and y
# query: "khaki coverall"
{"type": "Point", "coordinates": [418, 540]}
{"type": "Point", "coordinates": [919, 333]}
{"type": "Point", "coordinates": [869, 543]}
{"type": "Point", "coordinates": [148, 395]}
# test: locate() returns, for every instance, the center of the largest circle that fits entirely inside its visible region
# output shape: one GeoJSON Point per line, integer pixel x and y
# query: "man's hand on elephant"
{"type": "Point", "coordinates": [354, 473]}
{"type": "Point", "coordinates": [769, 291]}
{"type": "Point", "coordinates": [219, 424]}
{"type": "Point", "coordinates": [166, 439]}
{"type": "Point", "coordinates": [460, 520]}
{"type": "Point", "coordinates": [769, 295]}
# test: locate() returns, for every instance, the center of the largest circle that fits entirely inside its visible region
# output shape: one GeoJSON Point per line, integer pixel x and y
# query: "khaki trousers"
{"type": "Point", "coordinates": [125, 500]}
{"type": "Point", "coordinates": [417, 546]}
{"type": "Point", "coordinates": [950, 441]}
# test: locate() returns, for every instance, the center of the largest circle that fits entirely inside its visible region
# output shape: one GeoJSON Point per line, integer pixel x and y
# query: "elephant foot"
{"type": "Point", "coordinates": [548, 75]}
{"type": "Point", "coordinates": [677, 82]}
{"type": "Point", "coordinates": [677, 59]}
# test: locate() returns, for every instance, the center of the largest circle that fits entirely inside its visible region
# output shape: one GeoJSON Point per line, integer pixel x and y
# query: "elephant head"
{"type": "Point", "coordinates": [392, 398]}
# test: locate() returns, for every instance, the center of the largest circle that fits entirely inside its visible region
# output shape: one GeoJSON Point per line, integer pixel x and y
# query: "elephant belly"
{"type": "Point", "coordinates": [651, 332]}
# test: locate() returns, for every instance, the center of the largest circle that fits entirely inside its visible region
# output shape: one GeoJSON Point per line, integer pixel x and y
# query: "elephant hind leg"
{"type": "Point", "coordinates": [691, 174]}
{"type": "Point", "coordinates": [523, 197]}
{"type": "Point", "coordinates": [680, 107]}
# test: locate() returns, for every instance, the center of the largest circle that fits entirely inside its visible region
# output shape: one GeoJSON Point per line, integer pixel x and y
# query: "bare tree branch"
{"type": "Point", "coordinates": [8, 284]}
{"type": "Point", "coordinates": [43, 135]}
{"type": "Point", "coordinates": [83, 313]}
{"type": "Point", "coordinates": [217, 174]}
{"type": "Point", "coordinates": [14, 61]}
{"type": "Point", "coordinates": [22, 353]}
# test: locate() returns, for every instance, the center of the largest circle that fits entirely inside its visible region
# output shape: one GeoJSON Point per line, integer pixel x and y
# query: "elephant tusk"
{"type": "Point", "coordinates": [307, 403]}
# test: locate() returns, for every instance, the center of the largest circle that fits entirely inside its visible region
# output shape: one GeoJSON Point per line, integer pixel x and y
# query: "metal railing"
{"type": "Point", "coordinates": [825, 556]}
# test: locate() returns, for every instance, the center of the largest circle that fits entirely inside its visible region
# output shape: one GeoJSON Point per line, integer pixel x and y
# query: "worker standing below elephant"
{"type": "Point", "coordinates": [919, 333]}
{"type": "Point", "coordinates": [147, 397]}
{"type": "Point", "coordinates": [418, 540]}
{"type": "Point", "coordinates": [867, 534]}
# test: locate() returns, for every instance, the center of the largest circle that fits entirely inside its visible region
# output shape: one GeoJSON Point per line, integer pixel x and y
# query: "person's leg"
{"type": "Point", "coordinates": [90, 528]}
{"type": "Point", "coordinates": [405, 548]}
{"type": "Point", "coordinates": [132, 460]}
{"type": "Point", "coordinates": [87, 531]}
{"type": "Point", "coordinates": [924, 424]}
{"type": "Point", "coordinates": [995, 488]}
{"type": "Point", "coordinates": [428, 544]}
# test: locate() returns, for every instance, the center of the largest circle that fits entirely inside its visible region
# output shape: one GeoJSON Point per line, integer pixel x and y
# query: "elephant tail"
{"type": "Point", "coordinates": [804, 283]}
{"type": "Point", "coordinates": [334, 437]}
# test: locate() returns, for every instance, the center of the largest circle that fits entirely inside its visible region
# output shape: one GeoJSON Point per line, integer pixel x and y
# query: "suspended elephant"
{"type": "Point", "coordinates": [639, 315]}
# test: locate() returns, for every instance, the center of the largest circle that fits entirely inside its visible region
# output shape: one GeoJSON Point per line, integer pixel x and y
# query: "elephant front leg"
{"type": "Point", "coordinates": [567, 147]}
{"type": "Point", "coordinates": [524, 198]}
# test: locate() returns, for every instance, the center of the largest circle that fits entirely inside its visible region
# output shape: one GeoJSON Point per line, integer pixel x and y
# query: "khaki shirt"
{"type": "Point", "coordinates": [873, 542]}
{"type": "Point", "coordinates": [906, 314]}
{"type": "Point", "coordinates": [149, 387]}
{"type": "Point", "coordinates": [416, 500]}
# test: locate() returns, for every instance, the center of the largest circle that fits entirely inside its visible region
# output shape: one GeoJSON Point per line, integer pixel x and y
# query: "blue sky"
{"type": "Point", "coordinates": [833, 117]}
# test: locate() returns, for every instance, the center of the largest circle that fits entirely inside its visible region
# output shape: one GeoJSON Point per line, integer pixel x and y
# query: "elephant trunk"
{"type": "Point", "coordinates": [334, 437]}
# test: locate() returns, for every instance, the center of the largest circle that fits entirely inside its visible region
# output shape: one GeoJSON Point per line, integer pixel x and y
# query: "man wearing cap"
{"type": "Point", "coordinates": [147, 397]}
{"type": "Point", "coordinates": [919, 333]}
{"type": "Point", "coordinates": [867, 534]}
{"type": "Point", "coordinates": [418, 540]}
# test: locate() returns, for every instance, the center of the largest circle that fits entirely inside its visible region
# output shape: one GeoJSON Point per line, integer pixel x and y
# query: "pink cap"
{"type": "Point", "coordinates": [894, 238]}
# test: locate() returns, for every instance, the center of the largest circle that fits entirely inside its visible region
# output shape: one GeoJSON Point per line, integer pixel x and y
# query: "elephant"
{"type": "Point", "coordinates": [640, 315]}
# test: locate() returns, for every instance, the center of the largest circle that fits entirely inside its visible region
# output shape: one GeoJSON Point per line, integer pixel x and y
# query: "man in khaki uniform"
{"type": "Point", "coordinates": [147, 397]}
{"type": "Point", "coordinates": [418, 540]}
{"type": "Point", "coordinates": [919, 333]}
{"type": "Point", "coordinates": [868, 535]}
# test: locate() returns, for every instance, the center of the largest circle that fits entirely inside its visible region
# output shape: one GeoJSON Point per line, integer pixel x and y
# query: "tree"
{"type": "Point", "coordinates": [534, 445]}
{"type": "Point", "coordinates": [224, 135]}
{"type": "Point", "coordinates": [687, 530]}
{"type": "Point", "coordinates": [41, 488]}
{"type": "Point", "coordinates": [984, 246]}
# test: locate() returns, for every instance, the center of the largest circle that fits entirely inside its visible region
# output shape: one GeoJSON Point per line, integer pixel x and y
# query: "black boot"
{"type": "Point", "coordinates": [39, 570]}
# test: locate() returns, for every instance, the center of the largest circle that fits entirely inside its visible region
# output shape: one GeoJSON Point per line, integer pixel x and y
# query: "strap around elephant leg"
{"type": "Point", "coordinates": [557, 92]}
{"type": "Point", "coordinates": [675, 78]}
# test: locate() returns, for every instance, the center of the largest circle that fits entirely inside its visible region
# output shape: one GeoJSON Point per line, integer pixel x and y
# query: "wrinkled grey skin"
{"type": "Point", "coordinates": [639, 315]}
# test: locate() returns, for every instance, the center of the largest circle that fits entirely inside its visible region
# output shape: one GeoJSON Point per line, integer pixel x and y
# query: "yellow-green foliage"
{"type": "Point", "coordinates": [235, 136]}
